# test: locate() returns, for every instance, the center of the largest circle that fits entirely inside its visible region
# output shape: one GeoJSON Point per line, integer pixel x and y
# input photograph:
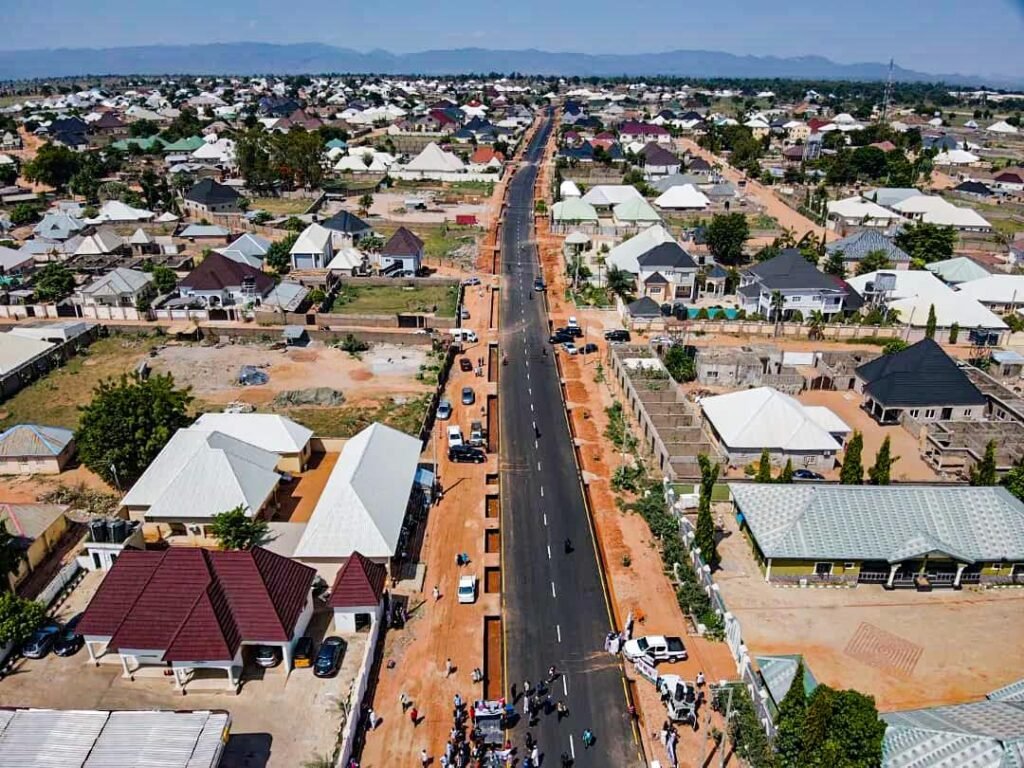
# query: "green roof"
{"type": "Point", "coordinates": [191, 144]}
{"type": "Point", "coordinates": [145, 144]}
{"type": "Point", "coordinates": [959, 269]}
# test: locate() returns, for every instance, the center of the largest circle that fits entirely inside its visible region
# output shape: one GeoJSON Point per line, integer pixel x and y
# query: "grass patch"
{"type": "Point", "coordinates": [472, 187]}
{"type": "Point", "coordinates": [279, 206]}
{"type": "Point", "coordinates": [54, 399]}
{"type": "Point", "coordinates": [439, 242]}
{"type": "Point", "coordinates": [388, 299]}
{"type": "Point", "coordinates": [347, 420]}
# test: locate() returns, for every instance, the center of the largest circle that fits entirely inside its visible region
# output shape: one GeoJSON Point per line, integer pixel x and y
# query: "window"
{"type": "Point", "coordinates": [929, 413]}
{"type": "Point", "coordinates": [823, 569]}
{"type": "Point", "coordinates": [967, 411]}
{"type": "Point", "coordinates": [914, 413]}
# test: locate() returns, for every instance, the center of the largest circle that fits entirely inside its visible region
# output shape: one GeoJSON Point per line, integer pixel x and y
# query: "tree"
{"type": "Point", "coordinates": [834, 264]}
{"type": "Point", "coordinates": [881, 472]}
{"type": "Point", "coordinates": [164, 279]}
{"type": "Point", "coordinates": [954, 333]}
{"type": "Point", "coordinates": [11, 556]}
{"type": "Point", "coordinates": [893, 346]}
{"type": "Point", "coordinates": [841, 729]}
{"type": "Point", "coordinates": [23, 214]}
{"type": "Point", "coordinates": [128, 423]}
{"type": "Point", "coordinates": [764, 468]}
{"type": "Point", "coordinates": [53, 166]}
{"type": "Point", "coordinates": [726, 235]}
{"type": "Point", "coordinates": [704, 536]}
{"type": "Point", "coordinates": [792, 710]}
{"type": "Point", "coordinates": [8, 174]}
{"type": "Point", "coordinates": [143, 129]}
{"type": "Point", "coordinates": [279, 254]}
{"type": "Point", "coordinates": [1014, 479]}
{"type": "Point", "coordinates": [18, 618]}
{"type": "Point", "coordinates": [787, 473]}
{"type": "Point", "coordinates": [929, 328]}
{"type": "Point", "coordinates": [816, 324]}
{"type": "Point", "coordinates": [53, 282]}
{"type": "Point", "coordinates": [927, 242]}
{"type": "Point", "coordinates": [874, 261]}
{"type": "Point", "coordinates": [365, 203]}
{"type": "Point", "coordinates": [679, 364]}
{"type": "Point", "coordinates": [868, 163]}
{"type": "Point", "coordinates": [620, 282]}
{"type": "Point", "coordinates": [984, 471]}
{"type": "Point", "coordinates": [852, 471]}
{"type": "Point", "coordinates": [778, 302]}
{"type": "Point", "coordinates": [234, 529]}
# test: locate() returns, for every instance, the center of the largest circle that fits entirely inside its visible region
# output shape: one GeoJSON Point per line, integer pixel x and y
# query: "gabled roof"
{"type": "Point", "coordinates": [766, 418]}
{"type": "Point", "coordinates": [403, 243]}
{"type": "Point", "coordinates": [791, 271]}
{"type": "Point", "coordinates": [920, 375]}
{"type": "Point", "coordinates": [644, 307]}
{"type": "Point", "coordinates": [858, 245]}
{"type": "Point", "coordinates": [359, 583]}
{"type": "Point", "coordinates": [668, 254]}
{"type": "Point", "coordinates": [626, 255]}
{"type": "Point", "coordinates": [34, 440]}
{"type": "Point", "coordinates": [314, 239]}
{"type": "Point", "coordinates": [344, 221]}
{"type": "Point", "coordinates": [218, 272]}
{"type": "Point", "coordinates": [197, 604]}
{"type": "Point", "coordinates": [269, 431]}
{"type": "Point", "coordinates": [118, 281]}
{"type": "Point", "coordinates": [959, 269]}
{"type": "Point", "coordinates": [363, 504]}
{"type": "Point", "coordinates": [27, 522]}
{"type": "Point", "coordinates": [879, 522]}
{"type": "Point", "coordinates": [210, 192]}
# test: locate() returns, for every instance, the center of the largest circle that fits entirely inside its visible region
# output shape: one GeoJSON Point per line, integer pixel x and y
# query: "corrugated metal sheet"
{"type": "Point", "coordinates": [49, 738]}
{"type": "Point", "coordinates": [149, 740]}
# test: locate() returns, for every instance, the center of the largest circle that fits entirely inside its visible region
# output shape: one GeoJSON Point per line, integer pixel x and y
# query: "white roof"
{"type": "Point", "coordinates": [625, 255]}
{"type": "Point", "coordinates": [115, 210]}
{"type": "Point", "coordinates": [118, 281]}
{"type": "Point", "coordinates": [347, 258]}
{"type": "Point", "coordinates": [16, 350]}
{"type": "Point", "coordinates": [684, 196]}
{"type": "Point", "coordinates": [166, 217]}
{"type": "Point", "coordinates": [268, 431]}
{"type": "Point", "coordinates": [1002, 127]}
{"type": "Point", "coordinates": [857, 207]}
{"type": "Point", "coordinates": [314, 239]}
{"type": "Point", "coordinates": [936, 210]}
{"type": "Point", "coordinates": [917, 290]}
{"type": "Point", "coordinates": [568, 188]}
{"type": "Point", "coordinates": [199, 474]}
{"type": "Point", "coordinates": [995, 289]}
{"type": "Point", "coordinates": [611, 194]}
{"type": "Point", "coordinates": [433, 158]}
{"type": "Point", "coordinates": [12, 259]}
{"type": "Point", "coordinates": [355, 163]}
{"type": "Point", "coordinates": [100, 243]}
{"type": "Point", "coordinates": [221, 150]}
{"type": "Point", "coordinates": [766, 418]}
{"type": "Point", "coordinates": [363, 505]}
{"type": "Point", "coordinates": [956, 157]}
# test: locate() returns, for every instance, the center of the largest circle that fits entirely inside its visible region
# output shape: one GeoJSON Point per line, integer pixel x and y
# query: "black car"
{"type": "Point", "coordinates": [328, 658]}
{"type": "Point", "coordinates": [588, 349]}
{"type": "Point", "coordinates": [69, 642]}
{"type": "Point", "coordinates": [560, 337]}
{"type": "Point", "coordinates": [573, 330]}
{"type": "Point", "coordinates": [616, 335]}
{"type": "Point", "coordinates": [465, 364]}
{"type": "Point", "coordinates": [538, 284]}
{"type": "Point", "coordinates": [806, 474]}
{"type": "Point", "coordinates": [41, 641]}
{"type": "Point", "coordinates": [466, 454]}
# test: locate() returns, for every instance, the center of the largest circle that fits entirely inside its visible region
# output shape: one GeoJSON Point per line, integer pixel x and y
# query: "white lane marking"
{"type": "Point", "coordinates": [553, 590]}
{"type": "Point", "coordinates": [530, 390]}
{"type": "Point", "coordinates": [545, 518]}
{"type": "Point", "coordinates": [531, 407]}
{"type": "Point", "coordinates": [565, 685]}
{"type": "Point", "coordinates": [538, 466]}
{"type": "Point", "coordinates": [572, 747]}
{"type": "Point", "coordinates": [549, 551]}
{"type": "Point", "coordinates": [558, 629]}
{"type": "Point", "coordinates": [536, 445]}
{"type": "Point", "coordinates": [542, 491]}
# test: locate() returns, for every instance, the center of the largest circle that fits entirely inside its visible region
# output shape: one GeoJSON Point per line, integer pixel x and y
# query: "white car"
{"type": "Point", "coordinates": [454, 436]}
{"type": "Point", "coordinates": [570, 348]}
{"type": "Point", "coordinates": [471, 281]}
{"type": "Point", "coordinates": [467, 589]}
{"type": "Point", "coordinates": [655, 648]}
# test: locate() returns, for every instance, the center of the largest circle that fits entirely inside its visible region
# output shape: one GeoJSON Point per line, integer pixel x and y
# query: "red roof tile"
{"type": "Point", "coordinates": [359, 583]}
{"type": "Point", "coordinates": [218, 272]}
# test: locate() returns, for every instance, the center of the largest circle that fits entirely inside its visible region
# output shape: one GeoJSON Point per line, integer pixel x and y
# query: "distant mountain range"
{"type": "Point", "coordinates": [309, 58]}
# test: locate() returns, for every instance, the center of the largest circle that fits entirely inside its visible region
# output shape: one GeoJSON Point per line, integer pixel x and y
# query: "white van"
{"type": "Point", "coordinates": [454, 436]}
{"type": "Point", "coordinates": [572, 323]}
{"type": "Point", "coordinates": [464, 334]}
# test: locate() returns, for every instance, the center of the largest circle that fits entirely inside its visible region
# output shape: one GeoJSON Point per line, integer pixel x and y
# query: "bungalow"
{"type": "Point", "coordinates": [277, 434]}
{"type": "Point", "coordinates": [33, 449]}
{"type": "Point", "coordinates": [658, 161]}
{"type": "Point", "coordinates": [209, 197]}
{"type": "Point", "coordinates": [36, 529]}
{"type": "Point", "coordinates": [220, 282]}
{"type": "Point", "coordinates": [194, 609]}
{"type": "Point", "coordinates": [347, 228]}
{"type": "Point", "coordinates": [896, 536]}
{"type": "Point", "coordinates": [1000, 293]}
{"type": "Point", "coordinates": [16, 263]}
{"type": "Point", "coordinates": [313, 249]}
{"type": "Point", "coordinates": [247, 249]}
{"type": "Point", "coordinates": [864, 241]}
{"type": "Point", "coordinates": [120, 287]}
{"type": "Point", "coordinates": [402, 252]}
{"type": "Point", "coordinates": [607, 196]}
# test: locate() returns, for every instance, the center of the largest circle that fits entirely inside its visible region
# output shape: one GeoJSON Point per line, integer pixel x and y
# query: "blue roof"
{"type": "Point", "coordinates": [860, 244]}
{"type": "Point", "coordinates": [34, 440]}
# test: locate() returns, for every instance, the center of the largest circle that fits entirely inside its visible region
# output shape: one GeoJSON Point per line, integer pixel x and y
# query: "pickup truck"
{"type": "Point", "coordinates": [655, 648]}
{"type": "Point", "coordinates": [679, 696]}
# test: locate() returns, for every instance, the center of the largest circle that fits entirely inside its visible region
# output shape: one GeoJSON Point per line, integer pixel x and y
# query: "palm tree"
{"type": "Point", "coordinates": [620, 282]}
{"type": "Point", "coordinates": [365, 202]}
{"type": "Point", "coordinates": [778, 302]}
{"type": "Point", "coordinates": [816, 324]}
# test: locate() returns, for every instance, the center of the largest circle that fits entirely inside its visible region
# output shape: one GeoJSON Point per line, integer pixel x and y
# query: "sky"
{"type": "Point", "coordinates": [937, 36]}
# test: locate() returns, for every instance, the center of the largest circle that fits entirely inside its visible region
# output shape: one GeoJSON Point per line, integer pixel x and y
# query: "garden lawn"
{"type": "Point", "coordinates": [396, 299]}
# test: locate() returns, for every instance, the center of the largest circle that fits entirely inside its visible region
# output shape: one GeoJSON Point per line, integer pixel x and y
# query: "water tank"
{"type": "Point", "coordinates": [885, 282]}
{"type": "Point", "coordinates": [98, 530]}
{"type": "Point", "coordinates": [118, 530]}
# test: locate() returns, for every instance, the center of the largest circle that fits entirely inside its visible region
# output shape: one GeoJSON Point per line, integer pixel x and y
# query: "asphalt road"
{"type": "Point", "coordinates": [555, 610]}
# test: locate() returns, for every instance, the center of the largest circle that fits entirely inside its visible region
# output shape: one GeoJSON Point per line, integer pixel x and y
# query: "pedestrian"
{"type": "Point", "coordinates": [443, 761]}
{"type": "Point", "coordinates": [588, 738]}
{"type": "Point", "coordinates": [552, 673]}
{"type": "Point", "coordinates": [568, 545]}
{"type": "Point", "coordinates": [437, 593]}
{"type": "Point", "coordinates": [424, 758]}
{"type": "Point", "coordinates": [664, 733]}
{"type": "Point", "coordinates": [448, 667]}
{"type": "Point", "coordinates": [527, 688]}
{"type": "Point", "coordinates": [403, 699]}
{"type": "Point", "coordinates": [414, 715]}
{"type": "Point", "coordinates": [535, 755]}
{"type": "Point", "coordinates": [566, 760]}
{"type": "Point", "coordinates": [700, 679]}
{"type": "Point", "coordinates": [372, 719]}
{"type": "Point", "coordinates": [458, 701]}
{"type": "Point", "coordinates": [561, 710]}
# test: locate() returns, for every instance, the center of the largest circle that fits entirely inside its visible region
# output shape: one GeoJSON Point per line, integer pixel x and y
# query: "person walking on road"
{"type": "Point", "coordinates": [424, 758]}
{"type": "Point", "coordinates": [414, 715]}
{"type": "Point", "coordinates": [437, 593]}
{"type": "Point", "coordinates": [403, 699]}
{"type": "Point", "coordinates": [448, 667]}
{"type": "Point", "coordinates": [588, 738]}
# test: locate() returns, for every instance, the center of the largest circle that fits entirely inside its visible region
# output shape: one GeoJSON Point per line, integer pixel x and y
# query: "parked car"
{"type": "Point", "coordinates": [328, 658]}
{"type": "Point", "coordinates": [560, 337]}
{"type": "Point", "coordinates": [464, 314]}
{"type": "Point", "coordinates": [466, 454]}
{"type": "Point", "coordinates": [471, 281]}
{"type": "Point", "coordinates": [444, 409]}
{"type": "Point", "coordinates": [41, 641]}
{"type": "Point", "coordinates": [69, 642]}
{"type": "Point", "coordinates": [655, 648]}
{"type": "Point", "coordinates": [806, 474]}
{"type": "Point", "coordinates": [303, 655]}
{"type": "Point", "coordinates": [573, 322]}
{"type": "Point", "coordinates": [465, 364]}
{"type": "Point", "coordinates": [588, 349]}
{"type": "Point", "coordinates": [468, 396]}
{"type": "Point", "coordinates": [570, 348]}
{"type": "Point", "coordinates": [476, 434]}
{"type": "Point", "coordinates": [467, 589]}
{"type": "Point", "coordinates": [538, 284]}
{"type": "Point", "coordinates": [267, 656]}
{"type": "Point", "coordinates": [571, 330]}
{"type": "Point", "coordinates": [616, 335]}
{"type": "Point", "coordinates": [454, 436]}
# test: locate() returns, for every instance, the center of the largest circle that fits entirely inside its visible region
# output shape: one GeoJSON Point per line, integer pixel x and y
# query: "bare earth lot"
{"type": "Point", "coordinates": [278, 720]}
{"type": "Point", "coordinates": [905, 648]}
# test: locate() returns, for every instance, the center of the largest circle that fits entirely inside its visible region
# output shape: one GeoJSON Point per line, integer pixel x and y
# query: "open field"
{"type": "Point", "coordinates": [907, 649]}
{"type": "Point", "coordinates": [388, 299]}
{"type": "Point", "coordinates": [280, 206]}
{"type": "Point", "coordinates": [403, 413]}
{"type": "Point", "coordinates": [439, 242]}
{"type": "Point", "coordinates": [55, 398]}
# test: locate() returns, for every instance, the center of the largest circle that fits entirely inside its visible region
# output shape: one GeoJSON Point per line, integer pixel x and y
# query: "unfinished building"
{"type": "Point", "coordinates": [834, 369]}
{"type": "Point", "coordinates": [747, 366]}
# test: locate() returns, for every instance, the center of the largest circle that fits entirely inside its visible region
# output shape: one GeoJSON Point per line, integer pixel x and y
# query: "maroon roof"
{"type": "Point", "coordinates": [634, 128]}
{"type": "Point", "coordinates": [359, 583]}
{"type": "Point", "coordinates": [403, 243]}
{"type": "Point", "coordinates": [197, 604]}
{"type": "Point", "coordinates": [218, 272]}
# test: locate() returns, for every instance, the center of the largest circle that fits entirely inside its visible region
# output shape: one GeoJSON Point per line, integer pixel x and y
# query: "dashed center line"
{"type": "Point", "coordinates": [549, 551]}
{"type": "Point", "coordinates": [553, 590]}
{"type": "Point", "coordinates": [558, 631]}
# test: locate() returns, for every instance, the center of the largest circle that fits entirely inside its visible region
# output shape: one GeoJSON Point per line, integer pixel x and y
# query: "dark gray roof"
{"type": "Point", "coordinates": [210, 192]}
{"type": "Point", "coordinates": [790, 271]}
{"type": "Point", "coordinates": [860, 244]}
{"type": "Point", "coordinates": [343, 221]}
{"type": "Point", "coordinates": [654, 154]}
{"type": "Point", "coordinates": [656, 279]}
{"type": "Point", "coordinates": [668, 254]}
{"type": "Point", "coordinates": [645, 307]}
{"type": "Point", "coordinates": [403, 243]}
{"type": "Point", "coordinates": [920, 375]}
{"type": "Point", "coordinates": [718, 272]}
{"type": "Point", "coordinates": [973, 188]}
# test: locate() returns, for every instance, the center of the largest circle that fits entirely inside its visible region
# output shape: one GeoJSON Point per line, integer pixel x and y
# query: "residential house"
{"type": "Point", "coordinates": [802, 287]}
{"type": "Point", "coordinates": [347, 229]}
{"type": "Point", "coordinates": [856, 211]}
{"type": "Point", "coordinates": [932, 209]}
{"type": "Point", "coordinates": [71, 132]}
{"type": "Point", "coordinates": [33, 449]}
{"type": "Point", "coordinates": [920, 536]}
{"type": "Point", "coordinates": [205, 232]}
{"type": "Point", "coordinates": [682, 198]}
{"type": "Point", "coordinates": [58, 226]}
{"type": "Point", "coordinates": [573, 211]}
{"type": "Point", "coordinates": [209, 197]}
{"type": "Point", "coordinates": [357, 595]}
{"type": "Point", "coordinates": [103, 242]}
{"type": "Point", "coordinates": [644, 133]}
{"type": "Point", "coordinates": [402, 252]}
{"type": "Point", "coordinates": [220, 282]}
{"type": "Point", "coordinates": [1000, 293]}
{"type": "Point", "coordinates": [247, 249]}
{"type": "Point", "coordinates": [116, 212]}
{"type": "Point", "coordinates": [957, 270]}
{"type": "Point", "coordinates": [16, 263]}
{"type": "Point", "coordinates": [856, 246]}
{"type": "Point", "coordinates": [604, 197]}
{"type": "Point", "coordinates": [190, 609]}
{"type": "Point", "coordinates": [269, 431]}
{"type": "Point", "coordinates": [313, 249]}
{"type": "Point", "coordinates": [922, 382]}
{"type": "Point", "coordinates": [658, 161]}
{"type": "Point", "coordinates": [747, 422]}
{"type": "Point", "coordinates": [667, 274]}
{"type": "Point", "coordinates": [36, 530]}
{"type": "Point", "coordinates": [120, 287]}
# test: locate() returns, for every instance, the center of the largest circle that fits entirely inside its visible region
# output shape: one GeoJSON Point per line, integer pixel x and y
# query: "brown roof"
{"type": "Point", "coordinates": [403, 243]}
{"type": "Point", "coordinates": [27, 522]}
{"type": "Point", "coordinates": [218, 272]}
{"type": "Point", "coordinates": [359, 583]}
{"type": "Point", "coordinates": [196, 604]}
